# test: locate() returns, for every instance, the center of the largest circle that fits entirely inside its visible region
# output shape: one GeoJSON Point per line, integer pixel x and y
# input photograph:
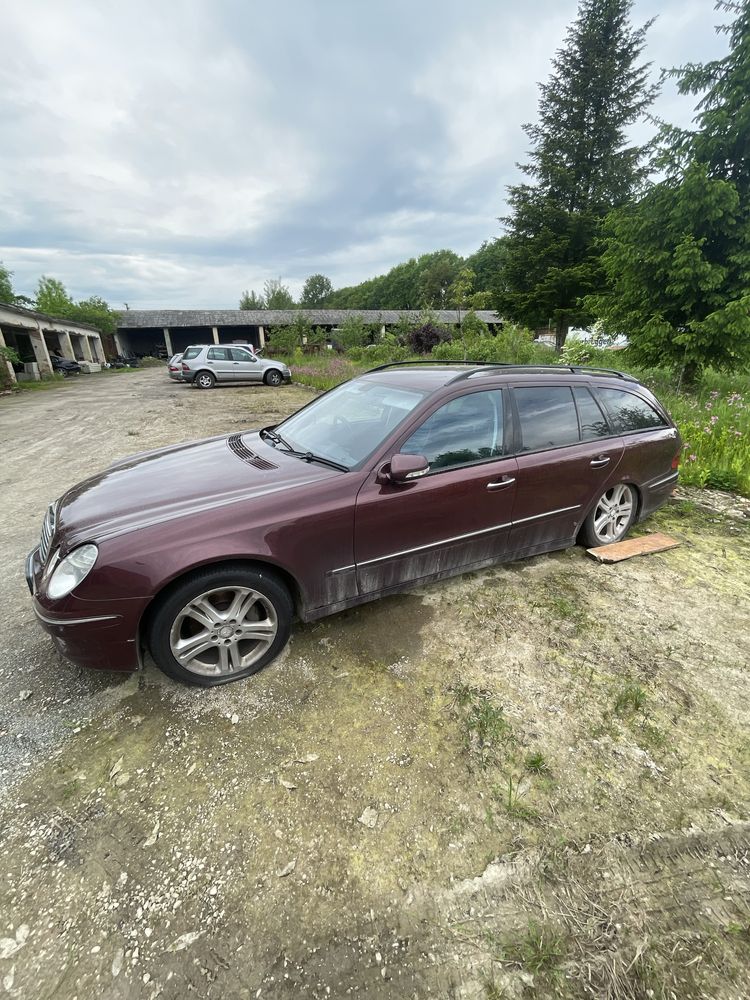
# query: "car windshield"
{"type": "Point", "coordinates": [350, 422]}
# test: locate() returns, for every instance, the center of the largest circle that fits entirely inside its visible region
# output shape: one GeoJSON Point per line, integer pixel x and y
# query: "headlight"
{"type": "Point", "coordinates": [71, 571]}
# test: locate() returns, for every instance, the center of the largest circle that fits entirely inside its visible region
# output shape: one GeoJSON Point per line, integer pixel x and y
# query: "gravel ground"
{"type": "Point", "coordinates": [529, 782]}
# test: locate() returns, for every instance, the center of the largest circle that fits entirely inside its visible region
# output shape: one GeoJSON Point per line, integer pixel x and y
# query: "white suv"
{"type": "Point", "coordinates": [206, 364]}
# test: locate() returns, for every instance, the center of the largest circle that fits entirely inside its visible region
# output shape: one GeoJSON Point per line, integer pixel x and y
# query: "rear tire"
{"type": "Point", "coordinates": [611, 517]}
{"type": "Point", "coordinates": [220, 625]}
{"type": "Point", "coordinates": [205, 380]}
{"type": "Point", "coordinates": [273, 377]}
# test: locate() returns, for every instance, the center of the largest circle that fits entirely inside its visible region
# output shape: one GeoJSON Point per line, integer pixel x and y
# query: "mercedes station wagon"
{"type": "Point", "coordinates": [204, 553]}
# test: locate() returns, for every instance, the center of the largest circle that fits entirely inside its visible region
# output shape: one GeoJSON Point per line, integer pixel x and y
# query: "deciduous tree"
{"type": "Point", "coordinates": [316, 292]}
{"type": "Point", "coordinates": [52, 297]}
{"type": "Point", "coordinates": [249, 300]}
{"type": "Point", "coordinates": [277, 295]}
{"type": "Point", "coordinates": [6, 285]}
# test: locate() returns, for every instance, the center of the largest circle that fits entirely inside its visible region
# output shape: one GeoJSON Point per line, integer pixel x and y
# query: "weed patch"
{"type": "Point", "coordinates": [484, 728]}
{"type": "Point", "coordinates": [629, 700]}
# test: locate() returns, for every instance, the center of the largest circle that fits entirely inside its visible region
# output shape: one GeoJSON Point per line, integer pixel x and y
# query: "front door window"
{"type": "Point", "coordinates": [464, 431]}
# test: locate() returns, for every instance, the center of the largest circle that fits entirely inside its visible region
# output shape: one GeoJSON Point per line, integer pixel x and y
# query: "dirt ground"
{"type": "Point", "coordinates": [530, 782]}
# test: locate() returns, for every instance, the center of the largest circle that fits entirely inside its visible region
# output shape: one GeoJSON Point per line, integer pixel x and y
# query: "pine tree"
{"type": "Point", "coordinates": [679, 260]}
{"type": "Point", "coordinates": [580, 167]}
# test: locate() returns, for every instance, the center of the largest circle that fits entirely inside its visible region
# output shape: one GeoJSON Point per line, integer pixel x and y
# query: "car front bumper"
{"type": "Point", "coordinates": [98, 635]}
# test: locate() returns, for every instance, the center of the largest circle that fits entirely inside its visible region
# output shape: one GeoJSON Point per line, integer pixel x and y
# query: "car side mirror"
{"type": "Point", "coordinates": [407, 467]}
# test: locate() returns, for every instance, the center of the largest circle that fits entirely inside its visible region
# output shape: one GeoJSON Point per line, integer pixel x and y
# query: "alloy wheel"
{"type": "Point", "coordinates": [223, 631]}
{"type": "Point", "coordinates": [613, 514]}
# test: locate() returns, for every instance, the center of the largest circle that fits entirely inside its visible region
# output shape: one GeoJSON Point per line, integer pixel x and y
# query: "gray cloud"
{"type": "Point", "coordinates": [172, 155]}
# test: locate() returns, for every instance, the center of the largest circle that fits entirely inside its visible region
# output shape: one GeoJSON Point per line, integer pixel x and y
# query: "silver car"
{"type": "Point", "coordinates": [206, 364]}
{"type": "Point", "coordinates": [173, 367]}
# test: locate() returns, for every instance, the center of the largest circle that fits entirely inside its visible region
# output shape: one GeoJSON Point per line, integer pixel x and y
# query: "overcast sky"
{"type": "Point", "coordinates": [174, 154]}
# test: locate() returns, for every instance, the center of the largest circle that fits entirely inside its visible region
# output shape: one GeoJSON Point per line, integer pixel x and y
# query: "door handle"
{"type": "Point", "coordinates": [600, 462]}
{"type": "Point", "coordinates": [501, 483]}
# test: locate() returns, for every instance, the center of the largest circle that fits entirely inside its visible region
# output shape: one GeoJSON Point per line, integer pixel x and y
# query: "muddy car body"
{"type": "Point", "coordinates": [407, 474]}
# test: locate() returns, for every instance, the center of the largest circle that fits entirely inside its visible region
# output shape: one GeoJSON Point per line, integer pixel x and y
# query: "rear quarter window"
{"type": "Point", "coordinates": [190, 353]}
{"type": "Point", "coordinates": [629, 412]}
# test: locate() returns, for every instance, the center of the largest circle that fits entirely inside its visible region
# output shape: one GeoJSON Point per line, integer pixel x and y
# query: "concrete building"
{"type": "Point", "coordinates": [35, 336]}
{"type": "Point", "coordinates": [151, 331]}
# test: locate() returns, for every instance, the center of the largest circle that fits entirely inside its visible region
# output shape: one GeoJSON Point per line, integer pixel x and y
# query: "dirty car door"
{"type": "Point", "coordinates": [454, 517]}
{"type": "Point", "coordinates": [566, 453]}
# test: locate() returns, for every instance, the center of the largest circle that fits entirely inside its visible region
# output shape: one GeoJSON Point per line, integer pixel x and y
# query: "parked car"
{"type": "Point", "coordinates": [65, 366]}
{"type": "Point", "coordinates": [203, 553]}
{"type": "Point", "coordinates": [174, 368]}
{"type": "Point", "coordinates": [205, 365]}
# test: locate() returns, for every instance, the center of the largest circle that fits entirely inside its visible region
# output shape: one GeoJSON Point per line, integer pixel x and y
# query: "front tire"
{"type": "Point", "coordinates": [273, 377]}
{"type": "Point", "coordinates": [205, 380]}
{"type": "Point", "coordinates": [611, 517]}
{"type": "Point", "coordinates": [221, 625]}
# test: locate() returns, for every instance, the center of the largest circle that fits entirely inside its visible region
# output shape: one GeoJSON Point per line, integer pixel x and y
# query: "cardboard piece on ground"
{"type": "Point", "coordinates": [642, 546]}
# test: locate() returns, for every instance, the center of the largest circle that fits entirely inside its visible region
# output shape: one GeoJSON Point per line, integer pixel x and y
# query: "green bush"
{"type": "Point", "coordinates": [578, 352]}
{"type": "Point", "coordinates": [513, 345]}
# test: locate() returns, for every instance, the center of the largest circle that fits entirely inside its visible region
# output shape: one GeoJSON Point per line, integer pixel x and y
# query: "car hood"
{"type": "Point", "coordinates": [181, 480]}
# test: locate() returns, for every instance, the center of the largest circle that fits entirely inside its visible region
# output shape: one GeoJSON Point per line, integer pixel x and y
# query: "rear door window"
{"type": "Point", "coordinates": [592, 420]}
{"type": "Point", "coordinates": [465, 430]}
{"type": "Point", "coordinates": [548, 417]}
{"type": "Point", "coordinates": [218, 354]}
{"type": "Point", "coordinates": [629, 412]}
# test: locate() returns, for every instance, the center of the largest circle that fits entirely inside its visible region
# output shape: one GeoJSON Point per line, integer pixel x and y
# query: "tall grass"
{"type": "Point", "coordinates": [715, 428]}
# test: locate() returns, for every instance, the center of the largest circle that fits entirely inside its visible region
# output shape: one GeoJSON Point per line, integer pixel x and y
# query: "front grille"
{"type": "Point", "coordinates": [237, 445]}
{"type": "Point", "coordinates": [48, 533]}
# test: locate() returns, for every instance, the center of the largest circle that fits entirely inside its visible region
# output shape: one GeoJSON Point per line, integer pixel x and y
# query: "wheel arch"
{"type": "Point", "coordinates": [595, 499]}
{"type": "Point", "coordinates": [247, 562]}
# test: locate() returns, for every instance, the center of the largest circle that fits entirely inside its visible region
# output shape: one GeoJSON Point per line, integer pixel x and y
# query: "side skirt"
{"type": "Point", "coordinates": [313, 614]}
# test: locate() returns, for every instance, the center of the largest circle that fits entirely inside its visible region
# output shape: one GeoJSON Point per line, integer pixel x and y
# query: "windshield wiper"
{"type": "Point", "coordinates": [275, 437]}
{"type": "Point", "coordinates": [307, 456]}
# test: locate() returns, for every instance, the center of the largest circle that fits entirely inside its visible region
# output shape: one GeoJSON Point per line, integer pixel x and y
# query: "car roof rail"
{"type": "Point", "coordinates": [431, 361]}
{"type": "Point", "coordinates": [510, 368]}
{"type": "Point", "coordinates": [507, 367]}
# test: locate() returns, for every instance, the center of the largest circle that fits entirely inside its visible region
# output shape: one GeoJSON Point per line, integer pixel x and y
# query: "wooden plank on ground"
{"type": "Point", "coordinates": [643, 546]}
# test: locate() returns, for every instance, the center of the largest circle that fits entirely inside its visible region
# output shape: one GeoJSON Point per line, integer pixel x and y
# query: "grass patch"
{"type": "Point", "coordinates": [629, 700]}
{"type": "Point", "coordinates": [46, 382]}
{"type": "Point", "coordinates": [323, 371]}
{"type": "Point", "coordinates": [539, 949]}
{"type": "Point", "coordinates": [510, 798]}
{"type": "Point", "coordinates": [484, 728]}
{"type": "Point", "coordinates": [535, 763]}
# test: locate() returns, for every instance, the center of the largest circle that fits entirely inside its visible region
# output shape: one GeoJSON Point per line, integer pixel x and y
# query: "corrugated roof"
{"type": "Point", "coordinates": [174, 318]}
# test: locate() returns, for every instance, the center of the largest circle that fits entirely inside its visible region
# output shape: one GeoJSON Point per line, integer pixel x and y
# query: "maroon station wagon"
{"type": "Point", "coordinates": [203, 553]}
